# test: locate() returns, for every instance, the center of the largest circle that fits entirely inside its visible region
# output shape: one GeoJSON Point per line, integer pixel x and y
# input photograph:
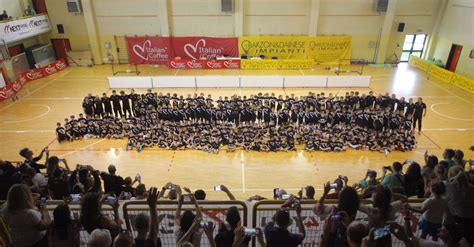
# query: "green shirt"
{"type": "Point", "coordinates": [394, 180]}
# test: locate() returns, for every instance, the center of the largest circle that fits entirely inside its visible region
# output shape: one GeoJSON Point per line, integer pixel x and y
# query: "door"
{"type": "Point", "coordinates": [40, 6]}
{"type": "Point", "coordinates": [61, 46]}
{"type": "Point", "coordinates": [453, 58]}
{"type": "Point", "coordinates": [16, 49]}
{"type": "Point", "coordinates": [414, 44]}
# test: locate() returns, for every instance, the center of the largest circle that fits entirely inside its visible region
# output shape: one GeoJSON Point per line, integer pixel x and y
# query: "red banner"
{"type": "Point", "coordinates": [14, 87]}
{"type": "Point", "coordinates": [204, 47]}
{"type": "Point", "coordinates": [149, 50]}
{"type": "Point", "coordinates": [203, 64]}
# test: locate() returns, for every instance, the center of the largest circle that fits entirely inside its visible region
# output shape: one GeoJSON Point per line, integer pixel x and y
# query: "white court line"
{"type": "Point", "coordinates": [52, 98]}
{"type": "Point", "coordinates": [26, 131]}
{"type": "Point", "coordinates": [243, 169]}
{"type": "Point", "coordinates": [33, 118]}
{"type": "Point", "coordinates": [441, 114]}
{"type": "Point", "coordinates": [450, 129]}
{"type": "Point", "coordinates": [176, 72]}
{"type": "Point", "coordinates": [34, 91]}
{"type": "Point", "coordinates": [68, 153]}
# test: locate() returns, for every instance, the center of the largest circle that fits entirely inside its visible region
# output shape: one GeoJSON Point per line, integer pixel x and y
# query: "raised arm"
{"type": "Point", "coordinates": [177, 215]}
{"type": "Point", "coordinates": [327, 188]}
{"type": "Point", "coordinates": [227, 191]}
{"type": "Point", "coordinates": [191, 230]}
{"type": "Point", "coordinates": [300, 221]}
{"type": "Point", "coordinates": [151, 200]}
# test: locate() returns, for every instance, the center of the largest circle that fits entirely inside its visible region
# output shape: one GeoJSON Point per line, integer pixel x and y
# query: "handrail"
{"type": "Point", "coordinates": [22, 17]}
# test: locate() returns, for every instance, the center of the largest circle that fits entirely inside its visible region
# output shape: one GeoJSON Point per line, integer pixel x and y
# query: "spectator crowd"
{"type": "Point", "coordinates": [446, 186]}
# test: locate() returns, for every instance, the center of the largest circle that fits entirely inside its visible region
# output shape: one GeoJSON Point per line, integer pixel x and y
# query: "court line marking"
{"type": "Point", "coordinates": [431, 140]}
{"type": "Point", "coordinates": [33, 118]}
{"type": "Point", "coordinates": [26, 131]}
{"type": "Point", "coordinates": [175, 73]}
{"type": "Point", "coordinates": [444, 115]}
{"type": "Point", "coordinates": [450, 129]}
{"type": "Point", "coordinates": [243, 169]}
{"type": "Point", "coordinates": [449, 92]}
{"type": "Point", "coordinates": [52, 98]}
{"type": "Point", "coordinates": [34, 91]}
{"type": "Point", "coordinates": [68, 153]}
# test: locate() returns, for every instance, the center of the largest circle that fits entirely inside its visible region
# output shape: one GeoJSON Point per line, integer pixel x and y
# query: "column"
{"type": "Point", "coordinates": [239, 18]}
{"type": "Point", "coordinates": [386, 30]}
{"type": "Point", "coordinates": [313, 17]}
{"type": "Point", "coordinates": [432, 38]}
{"type": "Point", "coordinates": [92, 33]}
{"type": "Point", "coordinates": [164, 17]}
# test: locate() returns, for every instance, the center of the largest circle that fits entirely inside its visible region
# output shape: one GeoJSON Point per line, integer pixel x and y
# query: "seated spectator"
{"type": "Point", "coordinates": [4, 16]}
{"type": "Point", "coordinates": [27, 224]}
{"type": "Point", "coordinates": [127, 190]}
{"type": "Point", "coordinates": [356, 231]}
{"type": "Point", "coordinates": [140, 192]}
{"type": "Point", "coordinates": [226, 236]}
{"type": "Point", "coordinates": [112, 182]}
{"type": "Point", "coordinates": [64, 231]}
{"type": "Point", "coordinates": [196, 224]}
{"type": "Point", "coordinates": [433, 210]}
{"type": "Point", "coordinates": [34, 180]}
{"type": "Point", "coordinates": [200, 195]}
{"type": "Point", "coordinates": [92, 218]}
{"type": "Point", "coordinates": [383, 209]}
{"type": "Point", "coordinates": [413, 181]}
{"type": "Point", "coordinates": [144, 226]}
{"type": "Point", "coordinates": [29, 11]}
{"type": "Point", "coordinates": [460, 197]}
{"type": "Point", "coordinates": [53, 163]}
{"type": "Point", "coordinates": [440, 173]}
{"type": "Point", "coordinates": [85, 178]}
{"type": "Point", "coordinates": [394, 180]}
{"type": "Point", "coordinates": [276, 231]}
{"type": "Point", "coordinates": [58, 186]}
{"type": "Point", "coordinates": [124, 239]}
{"type": "Point", "coordinates": [100, 238]}
{"type": "Point", "coordinates": [459, 158]}
{"type": "Point", "coordinates": [308, 193]}
{"type": "Point", "coordinates": [339, 182]}
{"type": "Point", "coordinates": [8, 177]}
{"type": "Point", "coordinates": [427, 171]}
{"type": "Point", "coordinates": [184, 223]}
{"type": "Point", "coordinates": [448, 156]}
{"type": "Point", "coordinates": [32, 162]}
{"type": "Point", "coordinates": [369, 181]}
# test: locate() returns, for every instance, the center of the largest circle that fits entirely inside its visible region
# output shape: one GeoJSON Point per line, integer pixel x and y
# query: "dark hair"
{"type": "Point", "coordinates": [438, 188]}
{"type": "Point", "coordinates": [449, 153]}
{"type": "Point", "coordinates": [397, 166]}
{"type": "Point", "coordinates": [233, 216]}
{"type": "Point", "coordinates": [432, 161]}
{"type": "Point", "coordinates": [90, 211]}
{"type": "Point", "coordinates": [24, 152]}
{"type": "Point", "coordinates": [140, 190]}
{"type": "Point", "coordinates": [456, 232]}
{"type": "Point", "coordinates": [356, 231]}
{"type": "Point", "coordinates": [186, 220]}
{"type": "Point", "coordinates": [200, 195]}
{"type": "Point", "coordinates": [282, 218]}
{"type": "Point", "coordinates": [382, 199]}
{"type": "Point", "coordinates": [349, 201]}
{"type": "Point", "coordinates": [62, 220]}
{"type": "Point", "coordinates": [414, 171]}
{"type": "Point", "coordinates": [310, 192]}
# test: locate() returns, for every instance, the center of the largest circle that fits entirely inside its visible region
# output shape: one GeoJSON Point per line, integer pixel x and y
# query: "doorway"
{"type": "Point", "coordinates": [61, 47]}
{"type": "Point", "coordinates": [453, 58]}
{"type": "Point", "coordinates": [414, 44]}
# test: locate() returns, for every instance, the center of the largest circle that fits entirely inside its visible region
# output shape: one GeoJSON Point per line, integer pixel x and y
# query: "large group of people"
{"type": "Point", "coordinates": [261, 122]}
{"type": "Point", "coordinates": [446, 186]}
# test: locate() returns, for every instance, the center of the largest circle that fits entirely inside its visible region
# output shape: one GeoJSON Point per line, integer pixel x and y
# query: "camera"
{"type": "Point", "coordinates": [76, 197]}
{"type": "Point", "coordinates": [217, 188]}
{"type": "Point", "coordinates": [111, 199]}
{"type": "Point", "coordinates": [251, 232]}
{"type": "Point", "coordinates": [387, 167]}
{"type": "Point", "coordinates": [335, 217]}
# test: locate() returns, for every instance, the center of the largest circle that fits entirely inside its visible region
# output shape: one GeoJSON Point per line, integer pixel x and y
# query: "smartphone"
{"type": "Point", "coordinates": [203, 224]}
{"type": "Point", "coordinates": [43, 201]}
{"type": "Point", "coordinates": [381, 232]}
{"type": "Point", "coordinates": [76, 197]}
{"type": "Point", "coordinates": [276, 193]}
{"type": "Point", "coordinates": [250, 232]}
{"type": "Point", "coordinates": [410, 162]}
{"type": "Point", "coordinates": [217, 187]}
{"type": "Point", "coordinates": [138, 177]}
{"type": "Point", "coordinates": [126, 194]}
{"type": "Point", "coordinates": [335, 217]}
{"type": "Point", "coordinates": [111, 199]}
{"type": "Point", "coordinates": [333, 186]}
{"type": "Point", "coordinates": [285, 197]}
{"type": "Point", "coordinates": [187, 198]}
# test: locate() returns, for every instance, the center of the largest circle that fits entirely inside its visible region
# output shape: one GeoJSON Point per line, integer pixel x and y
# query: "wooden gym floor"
{"type": "Point", "coordinates": [30, 122]}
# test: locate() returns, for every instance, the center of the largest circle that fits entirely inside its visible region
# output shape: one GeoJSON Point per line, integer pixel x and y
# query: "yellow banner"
{"type": "Point", "coordinates": [322, 49]}
{"type": "Point", "coordinates": [440, 73]}
{"type": "Point", "coordinates": [463, 82]}
{"type": "Point", "coordinates": [276, 64]}
{"type": "Point", "coordinates": [419, 63]}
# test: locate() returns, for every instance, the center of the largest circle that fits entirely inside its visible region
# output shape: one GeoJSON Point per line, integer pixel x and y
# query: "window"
{"type": "Point", "coordinates": [413, 45]}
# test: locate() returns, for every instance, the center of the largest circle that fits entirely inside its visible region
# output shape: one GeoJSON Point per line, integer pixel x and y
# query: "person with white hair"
{"type": "Point", "coordinates": [100, 238]}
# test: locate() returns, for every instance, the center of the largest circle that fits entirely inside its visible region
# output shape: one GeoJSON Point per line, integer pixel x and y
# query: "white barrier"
{"type": "Point", "coordinates": [217, 81]}
{"type": "Point", "coordinates": [261, 81]}
{"type": "Point", "coordinates": [238, 81]}
{"type": "Point", "coordinates": [306, 81]}
{"type": "Point", "coordinates": [130, 82]}
{"type": "Point", "coordinates": [174, 81]}
{"type": "Point", "coordinates": [349, 81]}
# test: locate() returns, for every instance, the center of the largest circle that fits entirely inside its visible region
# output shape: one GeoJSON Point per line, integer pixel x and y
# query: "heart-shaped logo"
{"type": "Point", "coordinates": [140, 51]}
{"type": "Point", "coordinates": [50, 69]}
{"type": "Point", "coordinates": [16, 86]}
{"type": "Point", "coordinates": [173, 64]}
{"type": "Point", "coordinates": [194, 48]}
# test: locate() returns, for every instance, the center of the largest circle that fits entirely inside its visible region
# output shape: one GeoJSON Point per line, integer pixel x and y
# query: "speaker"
{"type": "Point", "coordinates": [60, 28]}
{"type": "Point", "coordinates": [227, 5]}
{"type": "Point", "coordinates": [401, 27]}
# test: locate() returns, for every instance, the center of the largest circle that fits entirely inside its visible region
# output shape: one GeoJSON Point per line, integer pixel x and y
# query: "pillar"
{"type": "Point", "coordinates": [313, 17]}
{"type": "Point", "coordinates": [386, 30]}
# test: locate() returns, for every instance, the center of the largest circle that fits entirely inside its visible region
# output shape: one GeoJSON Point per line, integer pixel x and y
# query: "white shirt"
{"type": "Point", "coordinates": [435, 208]}
{"type": "Point", "coordinates": [22, 227]}
{"type": "Point", "coordinates": [39, 180]}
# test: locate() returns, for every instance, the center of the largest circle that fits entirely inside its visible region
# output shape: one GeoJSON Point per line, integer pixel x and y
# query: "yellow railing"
{"type": "Point", "coordinates": [441, 74]}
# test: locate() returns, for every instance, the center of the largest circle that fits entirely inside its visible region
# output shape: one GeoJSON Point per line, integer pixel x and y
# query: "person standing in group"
{"type": "Point", "coordinates": [125, 104]}
{"type": "Point", "coordinates": [116, 103]}
{"type": "Point", "coordinates": [107, 104]}
{"type": "Point", "coordinates": [419, 113]}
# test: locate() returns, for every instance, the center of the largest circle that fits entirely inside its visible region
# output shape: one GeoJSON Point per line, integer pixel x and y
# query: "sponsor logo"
{"type": "Point", "coordinates": [37, 23]}
{"type": "Point", "coordinates": [32, 75]}
{"type": "Point", "coordinates": [14, 28]}
{"type": "Point", "coordinates": [179, 65]}
{"type": "Point", "coordinates": [6, 92]}
{"type": "Point", "coordinates": [214, 64]}
{"type": "Point", "coordinates": [16, 85]}
{"type": "Point", "coordinates": [230, 64]}
{"type": "Point", "coordinates": [60, 65]}
{"type": "Point", "coordinates": [193, 64]}
{"type": "Point", "coordinates": [200, 50]}
{"type": "Point", "coordinates": [275, 47]}
{"type": "Point", "coordinates": [146, 52]}
{"type": "Point", "coordinates": [22, 79]}
{"type": "Point", "coordinates": [50, 69]}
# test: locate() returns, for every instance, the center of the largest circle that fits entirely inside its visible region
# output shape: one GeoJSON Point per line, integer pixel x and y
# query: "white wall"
{"type": "Point", "coordinates": [457, 27]}
{"type": "Point", "coordinates": [12, 7]}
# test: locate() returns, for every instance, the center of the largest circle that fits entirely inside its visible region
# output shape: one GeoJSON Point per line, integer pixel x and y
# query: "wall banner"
{"type": "Point", "coordinates": [203, 64]}
{"type": "Point", "coordinates": [277, 64]}
{"type": "Point", "coordinates": [204, 47]}
{"type": "Point", "coordinates": [463, 82]}
{"type": "Point", "coordinates": [440, 73]}
{"type": "Point", "coordinates": [322, 49]}
{"type": "Point", "coordinates": [149, 50]}
{"type": "Point", "coordinates": [15, 30]}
